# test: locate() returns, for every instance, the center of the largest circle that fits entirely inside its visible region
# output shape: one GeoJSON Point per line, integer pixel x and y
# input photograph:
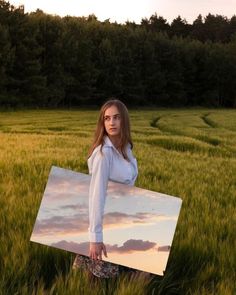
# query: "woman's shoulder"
{"type": "Point", "coordinates": [104, 148]}
{"type": "Point", "coordinates": [100, 151]}
{"type": "Point", "coordinates": [101, 154]}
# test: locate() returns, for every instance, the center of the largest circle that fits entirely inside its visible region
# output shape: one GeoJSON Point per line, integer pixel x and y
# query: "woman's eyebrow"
{"type": "Point", "coordinates": [112, 115]}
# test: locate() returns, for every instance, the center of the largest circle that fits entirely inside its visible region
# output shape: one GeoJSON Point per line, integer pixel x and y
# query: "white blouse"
{"type": "Point", "coordinates": [109, 166]}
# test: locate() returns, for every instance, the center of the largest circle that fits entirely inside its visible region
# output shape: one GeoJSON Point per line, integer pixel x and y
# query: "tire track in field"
{"type": "Point", "coordinates": [209, 121]}
{"type": "Point", "coordinates": [154, 122]}
{"type": "Point", "coordinates": [201, 138]}
{"type": "Point", "coordinates": [213, 124]}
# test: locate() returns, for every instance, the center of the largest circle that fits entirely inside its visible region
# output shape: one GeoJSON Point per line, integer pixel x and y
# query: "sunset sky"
{"type": "Point", "coordinates": [138, 224]}
{"type": "Point", "coordinates": [132, 10]}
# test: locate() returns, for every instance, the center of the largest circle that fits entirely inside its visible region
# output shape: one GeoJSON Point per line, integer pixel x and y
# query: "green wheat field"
{"type": "Point", "coordinates": [190, 154]}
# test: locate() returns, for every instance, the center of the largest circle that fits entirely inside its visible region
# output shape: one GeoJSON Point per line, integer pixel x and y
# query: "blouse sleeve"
{"type": "Point", "coordinates": [134, 166]}
{"type": "Point", "coordinates": [97, 194]}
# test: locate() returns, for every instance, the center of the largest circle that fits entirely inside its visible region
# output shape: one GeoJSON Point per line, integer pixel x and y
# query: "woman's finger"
{"type": "Point", "coordinates": [92, 255]}
{"type": "Point", "coordinates": [100, 256]}
{"type": "Point", "coordinates": [104, 250]}
{"type": "Point", "coordinates": [99, 252]}
{"type": "Point", "coordinates": [95, 256]}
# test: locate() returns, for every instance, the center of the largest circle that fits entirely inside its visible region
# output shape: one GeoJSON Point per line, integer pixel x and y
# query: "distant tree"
{"type": "Point", "coordinates": [6, 10]}
{"type": "Point", "coordinates": [50, 36]}
{"type": "Point", "coordinates": [145, 23]}
{"type": "Point", "coordinates": [216, 28]}
{"type": "Point", "coordinates": [159, 24]}
{"type": "Point", "coordinates": [232, 28]}
{"type": "Point", "coordinates": [132, 25]}
{"type": "Point", "coordinates": [92, 18]}
{"type": "Point", "coordinates": [155, 23]}
{"type": "Point", "coordinates": [79, 69]}
{"type": "Point", "coordinates": [6, 59]}
{"type": "Point", "coordinates": [198, 29]}
{"type": "Point", "coordinates": [179, 27]}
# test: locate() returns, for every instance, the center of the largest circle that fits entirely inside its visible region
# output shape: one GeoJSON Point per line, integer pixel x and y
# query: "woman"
{"type": "Point", "coordinates": [110, 158]}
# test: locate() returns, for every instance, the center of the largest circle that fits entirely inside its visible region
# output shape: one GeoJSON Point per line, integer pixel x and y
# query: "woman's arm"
{"type": "Point", "coordinates": [97, 194]}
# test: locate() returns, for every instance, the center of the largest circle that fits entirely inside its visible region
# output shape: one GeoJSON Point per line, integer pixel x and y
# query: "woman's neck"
{"type": "Point", "coordinates": [115, 141]}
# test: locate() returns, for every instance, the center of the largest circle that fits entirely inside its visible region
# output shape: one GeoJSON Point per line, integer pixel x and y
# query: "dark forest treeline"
{"type": "Point", "coordinates": [49, 61]}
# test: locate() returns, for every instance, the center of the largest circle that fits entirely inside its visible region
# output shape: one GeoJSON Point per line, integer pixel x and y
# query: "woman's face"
{"type": "Point", "coordinates": [112, 121]}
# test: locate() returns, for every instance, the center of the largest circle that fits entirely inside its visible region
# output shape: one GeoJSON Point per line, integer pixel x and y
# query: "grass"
{"type": "Point", "coordinates": [185, 153]}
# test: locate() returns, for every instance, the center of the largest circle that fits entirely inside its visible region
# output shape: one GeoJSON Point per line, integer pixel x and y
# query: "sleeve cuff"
{"type": "Point", "coordinates": [95, 237]}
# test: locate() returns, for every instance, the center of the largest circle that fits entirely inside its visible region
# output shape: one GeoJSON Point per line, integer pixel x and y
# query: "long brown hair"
{"type": "Point", "coordinates": [125, 136]}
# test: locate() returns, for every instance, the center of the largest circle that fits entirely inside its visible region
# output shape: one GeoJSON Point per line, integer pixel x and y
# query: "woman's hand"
{"type": "Point", "coordinates": [95, 250]}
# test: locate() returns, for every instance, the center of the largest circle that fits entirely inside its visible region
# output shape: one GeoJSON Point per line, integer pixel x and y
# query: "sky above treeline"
{"type": "Point", "coordinates": [132, 10]}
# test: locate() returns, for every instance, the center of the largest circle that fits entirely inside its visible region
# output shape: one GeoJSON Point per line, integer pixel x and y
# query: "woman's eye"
{"type": "Point", "coordinates": [116, 117]}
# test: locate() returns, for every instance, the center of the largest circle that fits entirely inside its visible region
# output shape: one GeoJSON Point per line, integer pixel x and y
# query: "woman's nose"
{"type": "Point", "coordinates": [112, 121]}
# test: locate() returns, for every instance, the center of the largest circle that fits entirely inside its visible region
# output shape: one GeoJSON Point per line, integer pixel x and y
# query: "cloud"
{"type": "Point", "coordinates": [61, 224]}
{"type": "Point", "coordinates": [129, 246]}
{"type": "Point", "coordinates": [79, 248]}
{"type": "Point", "coordinates": [79, 223]}
{"type": "Point", "coordinates": [79, 208]}
{"type": "Point", "coordinates": [119, 219]}
{"type": "Point", "coordinates": [121, 190]}
{"type": "Point", "coordinates": [165, 248]}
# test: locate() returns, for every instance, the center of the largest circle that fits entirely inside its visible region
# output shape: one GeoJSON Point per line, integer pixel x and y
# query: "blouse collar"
{"type": "Point", "coordinates": [107, 142]}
